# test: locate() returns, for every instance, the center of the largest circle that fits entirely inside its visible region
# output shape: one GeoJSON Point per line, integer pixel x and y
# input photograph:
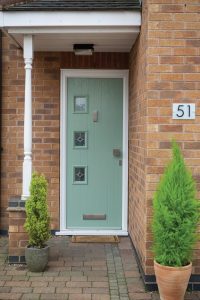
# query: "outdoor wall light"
{"type": "Point", "coordinates": [83, 49]}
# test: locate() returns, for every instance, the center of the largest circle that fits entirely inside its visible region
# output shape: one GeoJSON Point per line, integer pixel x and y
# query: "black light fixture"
{"type": "Point", "coordinates": [83, 49]}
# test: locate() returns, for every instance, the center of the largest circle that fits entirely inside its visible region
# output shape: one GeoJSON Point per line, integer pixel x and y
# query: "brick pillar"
{"type": "Point", "coordinates": [18, 238]}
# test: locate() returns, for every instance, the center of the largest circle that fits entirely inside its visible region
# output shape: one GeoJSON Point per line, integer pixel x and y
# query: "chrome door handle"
{"type": "Point", "coordinates": [116, 152]}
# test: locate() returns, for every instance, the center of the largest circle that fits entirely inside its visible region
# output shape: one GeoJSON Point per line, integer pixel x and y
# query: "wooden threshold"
{"type": "Point", "coordinates": [95, 239]}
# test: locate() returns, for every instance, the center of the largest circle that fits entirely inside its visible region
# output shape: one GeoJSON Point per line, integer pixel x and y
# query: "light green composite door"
{"type": "Point", "coordinates": [94, 153]}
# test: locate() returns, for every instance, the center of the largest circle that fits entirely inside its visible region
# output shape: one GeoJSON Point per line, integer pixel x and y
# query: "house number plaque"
{"type": "Point", "coordinates": [183, 111]}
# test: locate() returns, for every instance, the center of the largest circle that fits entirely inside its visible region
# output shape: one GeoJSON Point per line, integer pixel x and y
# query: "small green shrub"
{"type": "Point", "coordinates": [175, 214]}
{"type": "Point", "coordinates": [37, 217]}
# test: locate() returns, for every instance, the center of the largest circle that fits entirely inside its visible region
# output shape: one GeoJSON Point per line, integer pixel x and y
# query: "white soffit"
{"type": "Point", "coordinates": [58, 31]}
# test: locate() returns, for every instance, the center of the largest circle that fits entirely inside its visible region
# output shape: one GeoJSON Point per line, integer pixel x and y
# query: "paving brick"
{"type": "Point", "coordinates": [71, 273]}
{"type": "Point", "coordinates": [80, 297]}
{"type": "Point", "coordinates": [5, 289]}
{"type": "Point", "coordinates": [21, 290]}
{"type": "Point", "coordinates": [139, 296]}
{"type": "Point", "coordinates": [74, 263]}
{"type": "Point", "coordinates": [56, 263]}
{"type": "Point", "coordinates": [44, 290]}
{"type": "Point", "coordinates": [40, 284]}
{"type": "Point", "coordinates": [96, 290]}
{"type": "Point", "coordinates": [100, 284]}
{"type": "Point", "coordinates": [9, 296]}
{"type": "Point", "coordinates": [95, 263]}
{"type": "Point", "coordinates": [35, 274]}
{"type": "Point", "coordinates": [30, 297]}
{"type": "Point", "coordinates": [95, 273]}
{"type": "Point", "coordinates": [54, 296]}
{"type": "Point", "coordinates": [99, 268]}
{"type": "Point", "coordinates": [5, 277]}
{"type": "Point", "coordinates": [68, 290]}
{"type": "Point", "coordinates": [51, 273]}
{"type": "Point", "coordinates": [85, 268]}
{"type": "Point", "coordinates": [20, 278]}
{"type": "Point", "coordinates": [98, 278]}
{"type": "Point", "coordinates": [41, 279]}
{"type": "Point", "coordinates": [80, 284]}
{"type": "Point", "coordinates": [18, 283]}
{"type": "Point", "coordinates": [56, 284]}
{"type": "Point", "coordinates": [100, 297]}
{"type": "Point", "coordinates": [80, 278]}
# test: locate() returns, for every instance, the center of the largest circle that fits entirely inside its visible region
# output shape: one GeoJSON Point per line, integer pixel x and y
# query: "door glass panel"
{"type": "Point", "coordinates": [80, 104]}
{"type": "Point", "coordinates": [80, 175]}
{"type": "Point", "coordinates": [80, 139]}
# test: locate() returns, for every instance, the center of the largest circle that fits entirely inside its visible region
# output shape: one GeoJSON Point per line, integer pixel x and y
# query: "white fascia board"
{"type": "Point", "coordinates": [72, 18]}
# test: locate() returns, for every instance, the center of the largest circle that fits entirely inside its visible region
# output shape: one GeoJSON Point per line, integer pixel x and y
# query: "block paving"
{"type": "Point", "coordinates": [78, 271]}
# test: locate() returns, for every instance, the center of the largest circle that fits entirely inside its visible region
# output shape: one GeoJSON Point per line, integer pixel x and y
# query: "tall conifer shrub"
{"type": "Point", "coordinates": [175, 214]}
{"type": "Point", "coordinates": [37, 217]}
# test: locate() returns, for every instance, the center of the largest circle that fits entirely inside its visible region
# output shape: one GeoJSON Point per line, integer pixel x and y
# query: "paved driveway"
{"type": "Point", "coordinates": [78, 271]}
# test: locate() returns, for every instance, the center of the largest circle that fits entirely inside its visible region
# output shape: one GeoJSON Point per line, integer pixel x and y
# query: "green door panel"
{"type": "Point", "coordinates": [94, 174]}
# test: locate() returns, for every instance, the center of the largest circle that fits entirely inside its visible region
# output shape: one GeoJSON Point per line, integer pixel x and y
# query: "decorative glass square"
{"type": "Point", "coordinates": [80, 175]}
{"type": "Point", "coordinates": [80, 139]}
{"type": "Point", "coordinates": [81, 104]}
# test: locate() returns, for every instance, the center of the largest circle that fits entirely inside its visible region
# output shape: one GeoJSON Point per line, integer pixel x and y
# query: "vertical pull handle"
{"type": "Point", "coordinates": [95, 116]}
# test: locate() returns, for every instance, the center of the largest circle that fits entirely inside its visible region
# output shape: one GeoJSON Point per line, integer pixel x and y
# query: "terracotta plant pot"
{"type": "Point", "coordinates": [172, 281]}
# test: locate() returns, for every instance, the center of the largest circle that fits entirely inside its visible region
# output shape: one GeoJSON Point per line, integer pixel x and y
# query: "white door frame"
{"type": "Point", "coordinates": [65, 74]}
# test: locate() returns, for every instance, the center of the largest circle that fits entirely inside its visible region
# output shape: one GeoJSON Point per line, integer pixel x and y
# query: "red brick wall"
{"type": "Point", "coordinates": [12, 130]}
{"type": "Point", "coordinates": [18, 238]}
{"type": "Point", "coordinates": [46, 117]}
{"type": "Point", "coordinates": [138, 141]}
{"type": "Point", "coordinates": [171, 74]}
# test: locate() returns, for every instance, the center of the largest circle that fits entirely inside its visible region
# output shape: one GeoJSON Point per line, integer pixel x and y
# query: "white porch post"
{"type": "Point", "coordinates": [27, 164]}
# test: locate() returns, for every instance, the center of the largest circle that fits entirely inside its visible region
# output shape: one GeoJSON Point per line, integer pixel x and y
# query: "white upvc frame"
{"type": "Point", "coordinates": [27, 163]}
{"type": "Point", "coordinates": [51, 19]}
{"type": "Point", "coordinates": [65, 74]}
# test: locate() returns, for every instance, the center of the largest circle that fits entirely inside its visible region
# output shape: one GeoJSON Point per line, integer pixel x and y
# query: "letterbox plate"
{"type": "Point", "coordinates": [94, 217]}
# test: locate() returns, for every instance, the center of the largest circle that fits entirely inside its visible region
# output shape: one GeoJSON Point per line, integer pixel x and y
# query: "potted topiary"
{"type": "Point", "coordinates": [37, 225]}
{"type": "Point", "coordinates": [175, 219]}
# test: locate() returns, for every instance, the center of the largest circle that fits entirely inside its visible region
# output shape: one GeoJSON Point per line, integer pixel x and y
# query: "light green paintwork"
{"type": "Point", "coordinates": [103, 192]}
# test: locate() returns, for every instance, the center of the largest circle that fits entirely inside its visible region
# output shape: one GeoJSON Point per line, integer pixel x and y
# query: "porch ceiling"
{"type": "Point", "coordinates": [103, 42]}
{"type": "Point", "coordinates": [59, 31]}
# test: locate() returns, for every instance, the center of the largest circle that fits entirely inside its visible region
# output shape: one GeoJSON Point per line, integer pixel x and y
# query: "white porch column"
{"type": "Point", "coordinates": [27, 164]}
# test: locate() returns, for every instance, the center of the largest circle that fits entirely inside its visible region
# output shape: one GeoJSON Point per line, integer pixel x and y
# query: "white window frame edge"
{"type": "Point", "coordinates": [69, 73]}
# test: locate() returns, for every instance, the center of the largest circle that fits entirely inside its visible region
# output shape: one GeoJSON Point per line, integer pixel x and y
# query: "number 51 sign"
{"type": "Point", "coordinates": [183, 111]}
